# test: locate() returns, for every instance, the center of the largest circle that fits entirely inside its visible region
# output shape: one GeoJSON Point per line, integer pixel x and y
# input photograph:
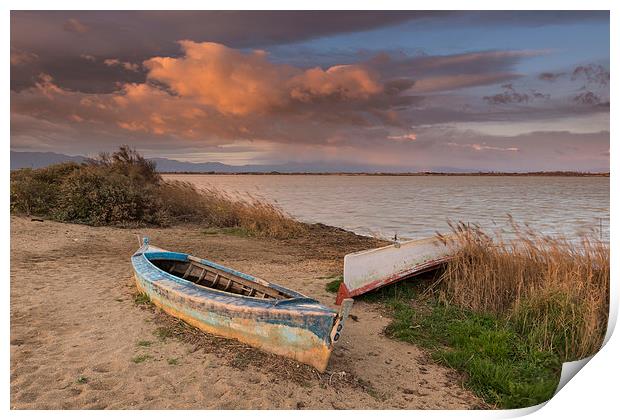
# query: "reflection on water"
{"type": "Point", "coordinates": [418, 206]}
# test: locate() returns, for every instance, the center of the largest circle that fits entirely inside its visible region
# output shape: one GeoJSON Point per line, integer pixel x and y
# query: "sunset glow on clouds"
{"type": "Point", "coordinates": [258, 102]}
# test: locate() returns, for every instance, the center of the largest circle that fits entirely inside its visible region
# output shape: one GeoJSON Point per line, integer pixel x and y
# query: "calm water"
{"type": "Point", "coordinates": [419, 206]}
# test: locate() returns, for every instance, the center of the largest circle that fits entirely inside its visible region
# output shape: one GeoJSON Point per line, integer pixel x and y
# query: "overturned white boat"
{"type": "Point", "coordinates": [374, 268]}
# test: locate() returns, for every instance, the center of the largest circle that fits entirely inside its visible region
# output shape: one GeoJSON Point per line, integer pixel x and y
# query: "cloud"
{"type": "Point", "coordinates": [136, 86]}
{"type": "Point", "coordinates": [131, 66]}
{"type": "Point", "coordinates": [594, 80]}
{"type": "Point", "coordinates": [590, 98]}
{"type": "Point", "coordinates": [592, 74]}
{"type": "Point", "coordinates": [404, 137]}
{"type": "Point", "coordinates": [471, 63]}
{"type": "Point", "coordinates": [158, 122]}
{"type": "Point", "coordinates": [459, 81]}
{"type": "Point", "coordinates": [211, 96]}
{"type": "Point", "coordinates": [153, 109]}
{"type": "Point", "coordinates": [511, 96]}
{"type": "Point", "coordinates": [143, 34]}
{"type": "Point", "coordinates": [483, 147]}
{"type": "Point", "coordinates": [19, 57]}
{"type": "Point", "coordinates": [235, 83]}
{"type": "Point", "coordinates": [113, 62]}
{"type": "Point", "coordinates": [441, 73]}
{"type": "Point", "coordinates": [550, 76]}
{"type": "Point", "coordinates": [74, 25]}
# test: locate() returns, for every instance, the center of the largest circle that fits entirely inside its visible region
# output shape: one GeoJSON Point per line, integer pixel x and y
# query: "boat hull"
{"type": "Point", "coordinates": [375, 268]}
{"type": "Point", "coordinates": [299, 329]}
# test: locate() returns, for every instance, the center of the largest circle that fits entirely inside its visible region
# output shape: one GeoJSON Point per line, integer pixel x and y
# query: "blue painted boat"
{"type": "Point", "coordinates": [225, 302]}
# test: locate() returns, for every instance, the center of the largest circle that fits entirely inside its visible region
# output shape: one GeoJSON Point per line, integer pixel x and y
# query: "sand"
{"type": "Point", "coordinates": [77, 335]}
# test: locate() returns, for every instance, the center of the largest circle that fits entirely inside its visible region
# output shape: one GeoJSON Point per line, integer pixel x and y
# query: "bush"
{"type": "Point", "coordinates": [37, 192]}
{"type": "Point", "coordinates": [124, 189]}
{"type": "Point", "coordinates": [95, 196]}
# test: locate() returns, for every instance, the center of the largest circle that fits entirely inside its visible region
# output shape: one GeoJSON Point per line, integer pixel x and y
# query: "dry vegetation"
{"type": "Point", "coordinates": [553, 291]}
{"type": "Point", "coordinates": [124, 189]}
{"type": "Point", "coordinates": [506, 314]}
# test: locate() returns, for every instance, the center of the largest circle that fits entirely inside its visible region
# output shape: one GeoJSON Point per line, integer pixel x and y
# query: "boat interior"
{"type": "Point", "coordinates": [212, 278]}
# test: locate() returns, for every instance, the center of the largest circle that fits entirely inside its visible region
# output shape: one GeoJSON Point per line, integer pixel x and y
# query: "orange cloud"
{"type": "Point", "coordinates": [111, 62]}
{"type": "Point", "coordinates": [404, 137]}
{"type": "Point", "coordinates": [19, 57]}
{"type": "Point", "coordinates": [235, 83]}
{"type": "Point", "coordinates": [88, 57]}
{"type": "Point", "coordinates": [74, 25]}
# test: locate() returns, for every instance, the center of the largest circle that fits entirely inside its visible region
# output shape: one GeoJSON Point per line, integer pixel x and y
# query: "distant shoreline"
{"type": "Point", "coordinates": [523, 174]}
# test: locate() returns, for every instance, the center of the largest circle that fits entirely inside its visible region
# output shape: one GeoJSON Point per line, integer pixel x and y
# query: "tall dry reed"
{"type": "Point", "coordinates": [554, 291]}
{"type": "Point", "coordinates": [213, 207]}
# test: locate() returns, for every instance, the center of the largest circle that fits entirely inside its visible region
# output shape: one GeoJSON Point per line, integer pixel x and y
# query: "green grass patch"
{"type": "Point", "coordinates": [144, 343]}
{"type": "Point", "coordinates": [163, 332]}
{"type": "Point", "coordinates": [82, 379]}
{"type": "Point", "coordinates": [142, 299]}
{"type": "Point", "coordinates": [173, 361]}
{"type": "Point", "coordinates": [502, 366]}
{"type": "Point", "coordinates": [141, 358]}
{"type": "Point", "coordinates": [334, 285]}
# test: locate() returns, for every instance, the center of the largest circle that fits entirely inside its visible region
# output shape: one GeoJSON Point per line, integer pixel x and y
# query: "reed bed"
{"type": "Point", "coordinates": [553, 291]}
{"type": "Point", "coordinates": [124, 189]}
{"type": "Point", "coordinates": [183, 201]}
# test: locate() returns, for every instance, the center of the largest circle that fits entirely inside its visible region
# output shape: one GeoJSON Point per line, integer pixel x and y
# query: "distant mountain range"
{"type": "Point", "coordinates": [41, 159]}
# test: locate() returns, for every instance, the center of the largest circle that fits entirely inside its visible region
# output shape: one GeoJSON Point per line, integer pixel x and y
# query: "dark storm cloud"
{"type": "Point", "coordinates": [550, 76]}
{"type": "Point", "coordinates": [590, 98]}
{"type": "Point", "coordinates": [591, 74]}
{"type": "Point", "coordinates": [479, 62]}
{"type": "Point", "coordinates": [85, 73]}
{"type": "Point", "coordinates": [511, 96]}
{"type": "Point", "coordinates": [134, 36]}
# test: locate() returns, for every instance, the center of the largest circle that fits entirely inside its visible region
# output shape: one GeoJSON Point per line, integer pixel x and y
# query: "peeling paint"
{"type": "Point", "coordinates": [299, 328]}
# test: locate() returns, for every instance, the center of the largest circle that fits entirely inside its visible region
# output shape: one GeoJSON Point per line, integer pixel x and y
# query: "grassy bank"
{"type": "Point", "coordinates": [505, 314]}
{"type": "Point", "coordinates": [555, 292]}
{"type": "Point", "coordinates": [124, 189]}
{"type": "Point", "coordinates": [498, 363]}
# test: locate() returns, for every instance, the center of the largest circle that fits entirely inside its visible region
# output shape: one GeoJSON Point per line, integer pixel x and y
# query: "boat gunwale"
{"type": "Point", "coordinates": [397, 244]}
{"type": "Point", "coordinates": [283, 304]}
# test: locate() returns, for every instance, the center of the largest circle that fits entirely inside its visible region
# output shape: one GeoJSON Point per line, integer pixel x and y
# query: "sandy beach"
{"type": "Point", "coordinates": [80, 341]}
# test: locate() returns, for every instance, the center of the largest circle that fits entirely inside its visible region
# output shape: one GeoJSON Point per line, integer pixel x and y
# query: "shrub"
{"type": "Point", "coordinates": [124, 189]}
{"type": "Point", "coordinates": [36, 192]}
{"type": "Point", "coordinates": [95, 196]}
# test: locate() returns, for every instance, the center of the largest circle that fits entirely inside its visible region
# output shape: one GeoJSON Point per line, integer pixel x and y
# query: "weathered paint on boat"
{"type": "Point", "coordinates": [299, 327]}
{"type": "Point", "coordinates": [374, 268]}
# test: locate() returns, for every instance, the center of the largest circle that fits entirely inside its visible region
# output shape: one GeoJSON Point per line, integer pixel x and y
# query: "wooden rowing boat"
{"type": "Point", "coordinates": [375, 268]}
{"type": "Point", "coordinates": [222, 301]}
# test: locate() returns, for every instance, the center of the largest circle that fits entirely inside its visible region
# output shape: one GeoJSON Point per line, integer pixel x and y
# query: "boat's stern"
{"type": "Point", "coordinates": [343, 314]}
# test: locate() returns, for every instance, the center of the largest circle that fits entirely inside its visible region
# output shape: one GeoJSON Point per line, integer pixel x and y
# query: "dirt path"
{"type": "Point", "coordinates": [77, 335]}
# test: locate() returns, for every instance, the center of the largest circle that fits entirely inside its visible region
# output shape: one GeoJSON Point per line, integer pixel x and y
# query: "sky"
{"type": "Point", "coordinates": [395, 91]}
